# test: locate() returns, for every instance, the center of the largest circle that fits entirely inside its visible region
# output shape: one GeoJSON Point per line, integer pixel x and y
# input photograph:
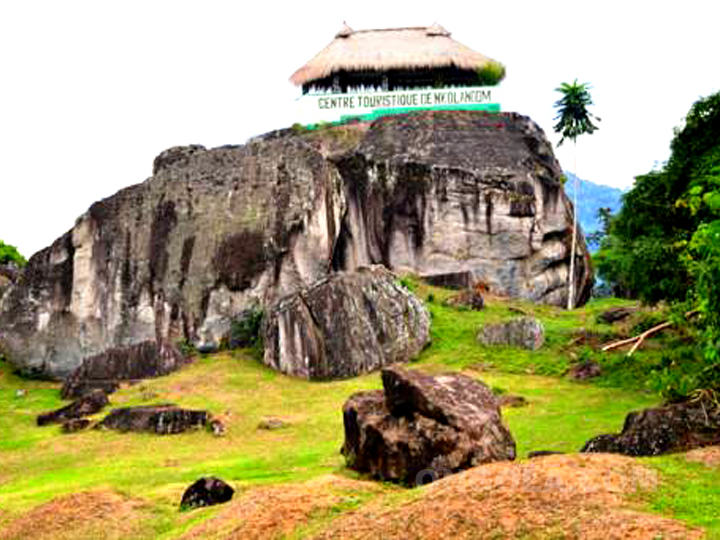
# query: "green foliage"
{"type": "Point", "coordinates": [573, 117]}
{"type": "Point", "coordinates": [665, 243]}
{"type": "Point", "coordinates": [10, 254]}
{"type": "Point", "coordinates": [491, 74]}
{"type": "Point", "coordinates": [245, 330]}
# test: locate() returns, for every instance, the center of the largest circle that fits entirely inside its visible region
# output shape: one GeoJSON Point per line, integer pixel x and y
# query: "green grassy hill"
{"type": "Point", "coordinates": [130, 485]}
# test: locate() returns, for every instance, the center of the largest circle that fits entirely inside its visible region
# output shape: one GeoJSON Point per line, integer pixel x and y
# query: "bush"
{"type": "Point", "coordinates": [245, 329]}
{"type": "Point", "coordinates": [10, 254]}
{"type": "Point", "coordinates": [491, 74]}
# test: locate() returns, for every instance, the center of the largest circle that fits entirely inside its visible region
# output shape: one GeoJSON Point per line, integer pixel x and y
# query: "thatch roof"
{"type": "Point", "coordinates": [391, 48]}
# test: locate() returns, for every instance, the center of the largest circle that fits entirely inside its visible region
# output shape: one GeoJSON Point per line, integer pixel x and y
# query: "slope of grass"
{"type": "Point", "coordinates": [40, 464]}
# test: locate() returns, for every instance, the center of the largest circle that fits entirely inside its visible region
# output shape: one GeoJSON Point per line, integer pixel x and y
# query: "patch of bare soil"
{"type": "Point", "coordinates": [275, 512]}
{"type": "Point", "coordinates": [80, 516]}
{"type": "Point", "coordinates": [570, 496]}
{"type": "Point", "coordinates": [708, 456]}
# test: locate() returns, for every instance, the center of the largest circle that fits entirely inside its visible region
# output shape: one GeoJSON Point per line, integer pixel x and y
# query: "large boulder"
{"type": "Point", "coordinates": [422, 427]}
{"type": "Point", "coordinates": [346, 324]}
{"type": "Point", "coordinates": [122, 364]}
{"type": "Point", "coordinates": [660, 430]}
{"type": "Point", "coordinates": [207, 491]}
{"type": "Point", "coordinates": [216, 232]}
{"type": "Point", "coordinates": [90, 403]}
{"type": "Point", "coordinates": [160, 419]}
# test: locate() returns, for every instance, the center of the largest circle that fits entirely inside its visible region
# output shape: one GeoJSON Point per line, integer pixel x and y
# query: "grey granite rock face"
{"type": "Point", "coordinates": [441, 193]}
{"type": "Point", "coordinates": [215, 232]}
{"type": "Point", "coordinates": [344, 325]}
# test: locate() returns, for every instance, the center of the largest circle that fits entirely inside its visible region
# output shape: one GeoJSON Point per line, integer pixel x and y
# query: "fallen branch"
{"type": "Point", "coordinates": [638, 340]}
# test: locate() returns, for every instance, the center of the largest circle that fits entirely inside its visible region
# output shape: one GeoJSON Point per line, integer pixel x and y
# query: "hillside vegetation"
{"type": "Point", "coordinates": [292, 482]}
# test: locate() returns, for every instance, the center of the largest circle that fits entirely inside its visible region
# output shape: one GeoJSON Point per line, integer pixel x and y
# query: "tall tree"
{"type": "Point", "coordinates": [574, 119]}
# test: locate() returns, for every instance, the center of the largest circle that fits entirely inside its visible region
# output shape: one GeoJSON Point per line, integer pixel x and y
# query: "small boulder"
{"type": "Point", "coordinates": [160, 419]}
{"type": "Point", "coordinates": [509, 400]}
{"type": "Point", "coordinates": [468, 298]}
{"type": "Point", "coordinates": [615, 314]}
{"type": "Point", "coordinates": [660, 430]}
{"type": "Point", "coordinates": [422, 426]}
{"type": "Point", "coordinates": [217, 427]}
{"type": "Point", "coordinates": [206, 491]}
{"type": "Point", "coordinates": [272, 423]}
{"type": "Point", "coordinates": [123, 364]}
{"type": "Point", "coordinates": [345, 324]}
{"type": "Point", "coordinates": [86, 405]}
{"type": "Point", "coordinates": [525, 332]}
{"type": "Point", "coordinates": [74, 425]}
{"type": "Point", "coordinates": [585, 370]}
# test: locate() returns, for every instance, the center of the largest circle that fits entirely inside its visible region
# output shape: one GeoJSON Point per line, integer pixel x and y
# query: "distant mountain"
{"type": "Point", "coordinates": [591, 198]}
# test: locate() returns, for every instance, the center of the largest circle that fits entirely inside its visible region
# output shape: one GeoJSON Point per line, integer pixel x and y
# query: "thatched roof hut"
{"type": "Point", "coordinates": [389, 59]}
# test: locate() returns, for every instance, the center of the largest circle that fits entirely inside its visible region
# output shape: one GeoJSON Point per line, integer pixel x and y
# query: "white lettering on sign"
{"type": "Point", "coordinates": [331, 107]}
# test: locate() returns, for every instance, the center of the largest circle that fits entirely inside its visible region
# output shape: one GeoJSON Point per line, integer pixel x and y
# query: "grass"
{"type": "Point", "coordinates": [40, 464]}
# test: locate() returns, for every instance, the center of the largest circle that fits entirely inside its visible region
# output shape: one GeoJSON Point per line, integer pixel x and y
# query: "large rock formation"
{"type": "Point", "coordinates": [215, 232]}
{"type": "Point", "coordinates": [346, 324]}
{"type": "Point", "coordinates": [161, 419]}
{"type": "Point", "coordinates": [124, 364]}
{"type": "Point", "coordinates": [422, 427]}
{"type": "Point", "coordinates": [659, 430]}
{"type": "Point", "coordinates": [453, 192]}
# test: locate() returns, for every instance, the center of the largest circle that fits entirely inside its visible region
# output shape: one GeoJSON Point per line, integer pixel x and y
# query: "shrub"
{"type": "Point", "coordinates": [10, 254]}
{"type": "Point", "coordinates": [245, 329]}
{"type": "Point", "coordinates": [491, 74]}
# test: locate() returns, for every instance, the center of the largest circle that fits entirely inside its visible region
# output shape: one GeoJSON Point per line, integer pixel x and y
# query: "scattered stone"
{"type": "Point", "coordinates": [160, 419]}
{"type": "Point", "coordinates": [344, 325]}
{"type": "Point", "coordinates": [86, 405]}
{"type": "Point", "coordinates": [74, 425]}
{"type": "Point", "coordinates": [525, 332]}
{"type": "Point", "coordinates": [207, 491]}
{"type": "Point", "coordinates": [615, 314]}
{"type": "Point", "coordinates": [123, 364]}
{"type": "Point", "coordinates": [272, 424]}
{"type": "Point", "coordinates": [216, 427]}
{"type": "Point", "coordinates": [421, 425]}
{"type": "Point", "coordinates": [660, 430]}
{"type": "Point", "coordinates": [509, 400]}
{"type": "Point", "coordinates": [541, 453]}
{"type": "Point", "coordinates": [449, 280]}
{"type": "Point", "coordinates": [469, 298]}
{"type": "Point", "coordinates": [585, 370]}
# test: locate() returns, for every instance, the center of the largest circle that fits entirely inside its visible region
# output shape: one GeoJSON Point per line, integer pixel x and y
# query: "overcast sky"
{"type": "Point", "coordinates": [91, 91]}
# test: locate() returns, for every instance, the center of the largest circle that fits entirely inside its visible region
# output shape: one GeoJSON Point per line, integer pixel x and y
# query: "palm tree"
{"type": "Point", "coordinates": [573, 120]}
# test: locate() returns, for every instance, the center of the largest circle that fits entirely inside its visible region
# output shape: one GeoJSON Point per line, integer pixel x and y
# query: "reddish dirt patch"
{"type": "Point", "coordinates": [708, 456]}
{"type": "Point", "coordinates": [97, 514]}
{"type": "Point", "coordinates": [275, 512]}
{"type": "Point", "coordinates": [572, 497]}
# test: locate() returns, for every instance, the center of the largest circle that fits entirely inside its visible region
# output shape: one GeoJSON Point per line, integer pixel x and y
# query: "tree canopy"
{"type": "Point", "coordinates": [573, 117]}
{"type": "Point", "coordinates": [665, 242]}
{"type": "Point", "coordinates": [10, 254]}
